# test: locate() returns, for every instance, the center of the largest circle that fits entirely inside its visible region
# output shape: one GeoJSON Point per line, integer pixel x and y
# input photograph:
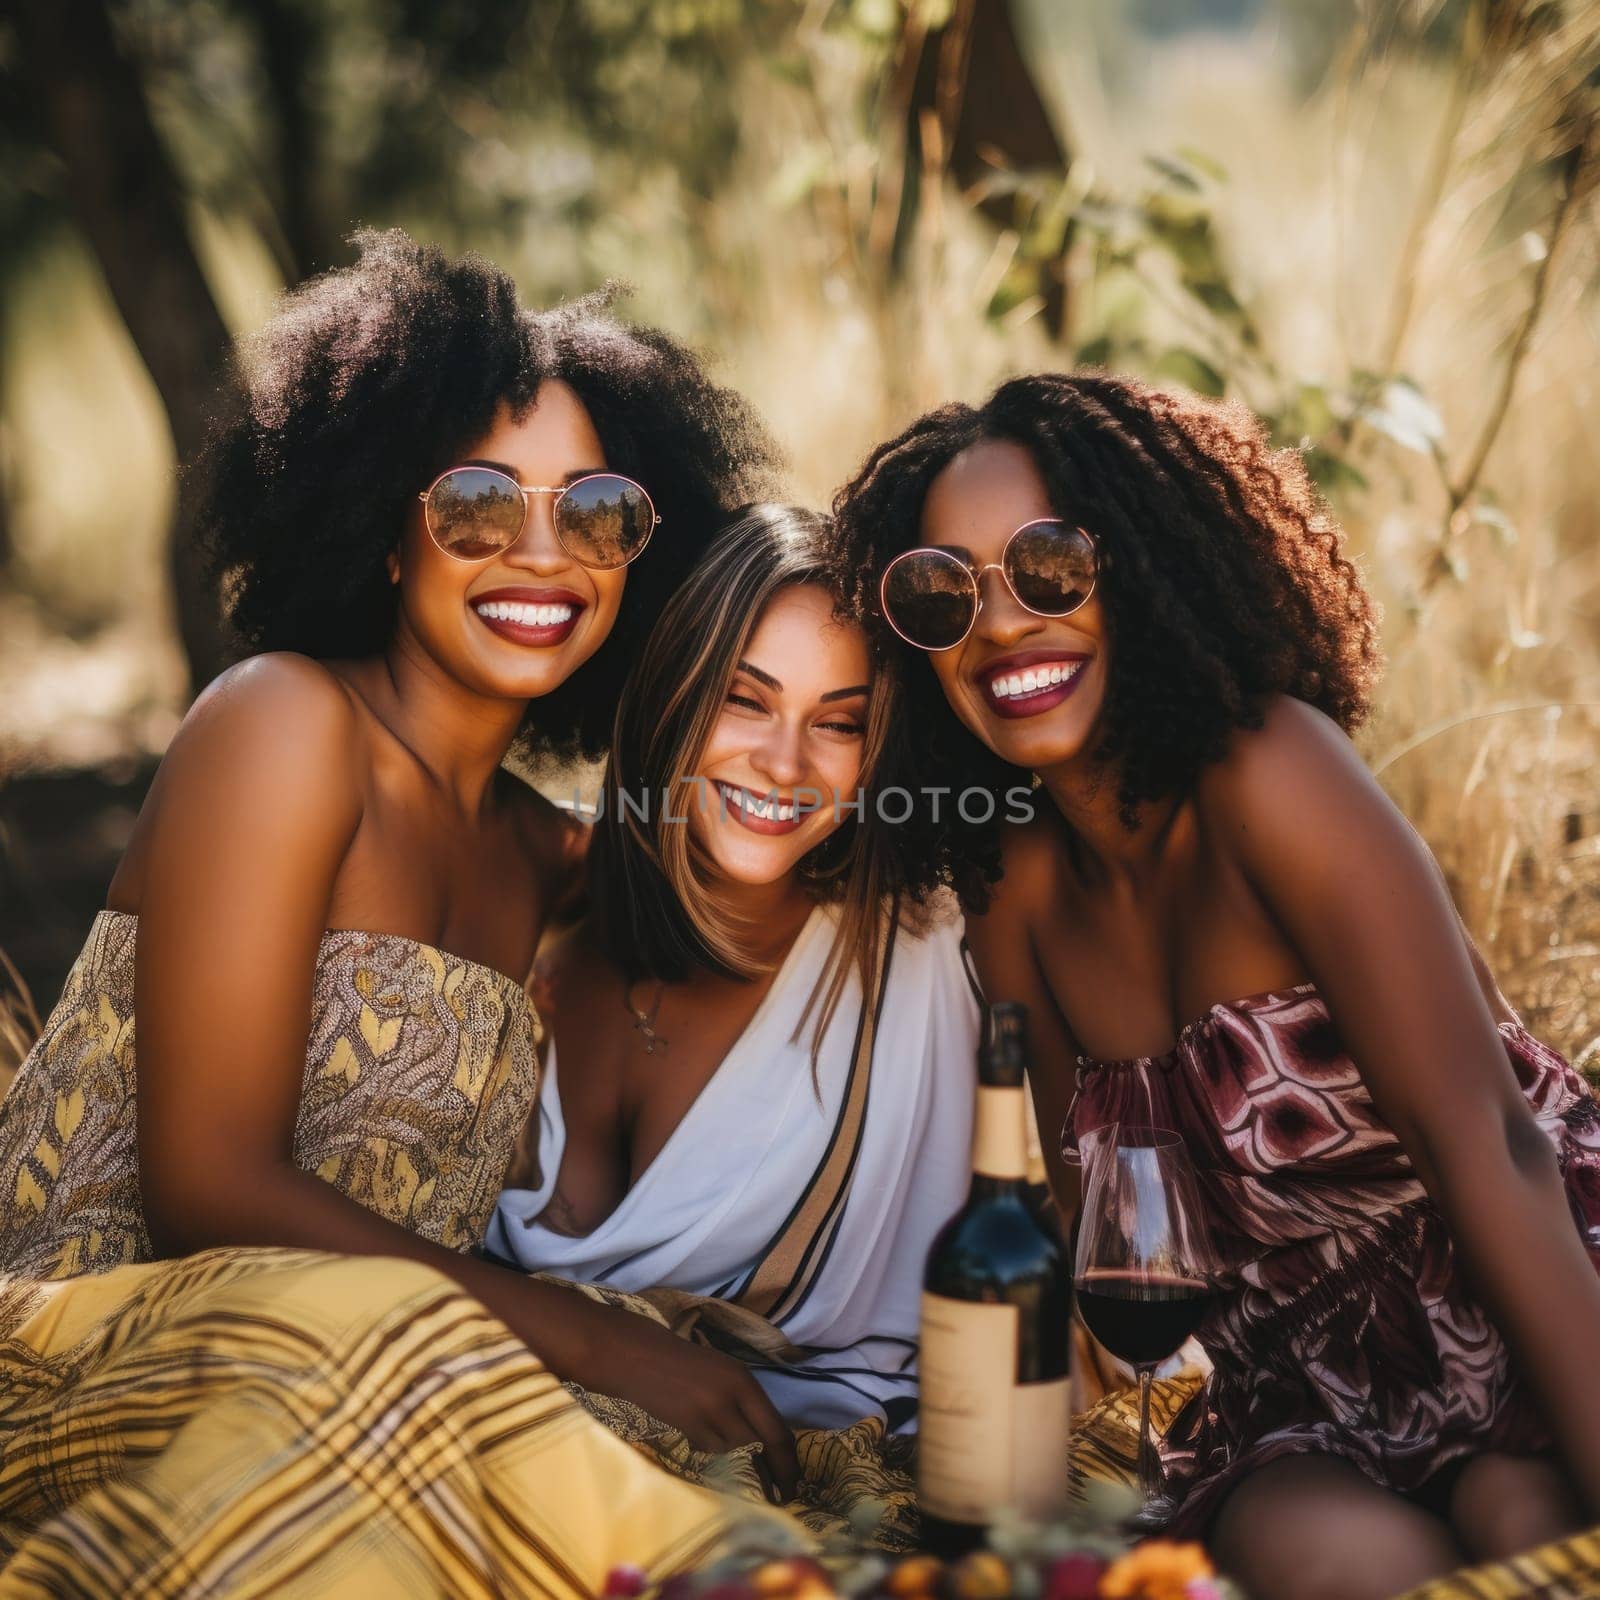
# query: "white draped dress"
{"type": "Point", "coordinates": [701, 1213]}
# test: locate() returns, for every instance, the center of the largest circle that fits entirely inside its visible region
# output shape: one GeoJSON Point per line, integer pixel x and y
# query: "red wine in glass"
{"type": "Point", "coordinates": [1142, 1317]}
{"type": "Point", "coordinates": [1144, 1268]}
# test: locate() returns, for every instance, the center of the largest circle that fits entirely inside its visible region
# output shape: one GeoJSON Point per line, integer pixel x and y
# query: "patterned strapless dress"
{"type": "Point", "coordinates": [262, 1421]}
{"type": "Point", "coordinates": [1344, 1325]}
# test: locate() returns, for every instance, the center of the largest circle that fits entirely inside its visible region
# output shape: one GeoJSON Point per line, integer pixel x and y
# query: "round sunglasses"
{"type": "Point", "coordinates": [602, 519]}
{"type": "Point", "coordinates": [932, 597]}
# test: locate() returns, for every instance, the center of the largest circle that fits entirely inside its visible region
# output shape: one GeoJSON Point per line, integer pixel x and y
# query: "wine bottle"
{"type": "Point", "coordinates": [996, 1336]}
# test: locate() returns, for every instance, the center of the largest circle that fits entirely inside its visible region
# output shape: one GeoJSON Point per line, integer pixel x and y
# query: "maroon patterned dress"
{"type": "Point", "coordinates": [1343, 1326]}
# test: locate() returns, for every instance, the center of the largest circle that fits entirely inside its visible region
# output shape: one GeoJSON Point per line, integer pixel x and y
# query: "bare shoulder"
{"type": "Point", "coordinates": [1293, 798]}
{"type": "Point", "coordinates": [276, 725]}
{"type": "Point", "coordinates": [1295, 745]}
{"type": "Point", "coordinates": [272, 749]}
{"type": "Point", "coordinates": [276, 702]}
{"type": "Point", "coordinates": [1298, 764]}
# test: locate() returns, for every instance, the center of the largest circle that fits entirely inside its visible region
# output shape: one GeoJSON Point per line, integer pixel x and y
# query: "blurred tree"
{"type": "Point", "coordinates": [119, 118]}
{"type": "Point", "coordinates": [293, 53]}
{"type": "Point", "coordinates": [127, 200]}
{"type": "Point", "coordinates": [976, 113]}
{"type": "Point", "coordinates": [300, 116]}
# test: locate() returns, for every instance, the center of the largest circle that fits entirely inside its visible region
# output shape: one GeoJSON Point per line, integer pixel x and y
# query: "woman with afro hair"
{"type": "Point", "coordinates": [249, 1345]}
{"type": "Point", "coordinates": [1221, 926]}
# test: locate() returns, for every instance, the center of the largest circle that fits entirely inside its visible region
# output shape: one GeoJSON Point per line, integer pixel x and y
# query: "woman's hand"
{"type": "Point", "coordinates": [713, 1399]}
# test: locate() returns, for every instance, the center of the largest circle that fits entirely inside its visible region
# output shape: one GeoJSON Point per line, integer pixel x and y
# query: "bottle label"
{"type": "Point", "coordinates": [985, 1442]}
{"type": "Point", "coordinates": [1037, 1171]}
{"type": "Point", "coordinates": [999, 1136]}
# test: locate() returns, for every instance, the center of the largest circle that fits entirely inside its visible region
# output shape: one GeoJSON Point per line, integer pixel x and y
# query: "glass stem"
{"type": "Point", "coordinates": [1149, 1461]}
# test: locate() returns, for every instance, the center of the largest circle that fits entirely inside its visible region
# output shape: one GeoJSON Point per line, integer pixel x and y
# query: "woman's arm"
{"type": "Point", "coordinates": [1003, 949]}
{"type": "Point", "coordinates": [1364, 904]}
{"type": "Point", "coordinates": [260, 799]}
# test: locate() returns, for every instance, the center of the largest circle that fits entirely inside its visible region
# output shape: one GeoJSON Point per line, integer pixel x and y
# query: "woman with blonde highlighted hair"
{"type": "Point", "coordinates": [720, 1130]}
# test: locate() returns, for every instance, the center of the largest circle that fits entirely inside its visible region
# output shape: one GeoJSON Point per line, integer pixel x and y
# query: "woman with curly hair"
{"type": "Point", "coordinates": [248, 1345]}
{"type": "Point", "coordinates": [1222, 926]}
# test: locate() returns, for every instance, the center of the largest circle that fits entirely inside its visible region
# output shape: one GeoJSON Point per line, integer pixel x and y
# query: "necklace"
{"type": "Point", "coordinates": [645, 1021]}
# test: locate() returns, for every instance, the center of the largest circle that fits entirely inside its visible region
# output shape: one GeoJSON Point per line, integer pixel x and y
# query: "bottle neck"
{"type": "Point", "coordinates": [983, 1189]}
{"type": "Point", "coordinates": [999, 1135]}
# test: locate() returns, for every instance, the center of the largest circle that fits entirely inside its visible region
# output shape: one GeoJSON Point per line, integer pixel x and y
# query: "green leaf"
{"type": "Point", "coordinates": [1193, 371]}
{"type": "Point", "coordinates": [1096, 353]}
{"type": "Point", "coordinates": [1215, 296]}
{"type": "Point", "coordinates": [1332, 474]}
{"type": "Point", "coordinates": [1202, 162]}
{"type": "Point", "coordinates": [1310, 413]}
{"type": "Point", "coordinates": [1018, 284]}
{"type": "Point", "coordinates": [791, 68]}
{"type": "Point", "coordinates": [809, 166]}
{"type": "Point", "coordinates": [1179, 221]}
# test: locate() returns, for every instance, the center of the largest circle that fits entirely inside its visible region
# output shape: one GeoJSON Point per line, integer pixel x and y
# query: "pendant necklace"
{"type": "Point", "coordinates": [645, 1021]}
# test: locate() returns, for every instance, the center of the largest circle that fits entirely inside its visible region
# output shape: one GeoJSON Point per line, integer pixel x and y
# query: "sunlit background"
{"type": "Point", "coordinates": [1374, 222]}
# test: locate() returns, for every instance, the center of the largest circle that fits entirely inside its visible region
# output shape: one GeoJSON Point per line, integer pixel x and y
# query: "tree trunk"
{"type": "Point", "coordinates": [974, 77]}
{"type": "Point", "coordinates": [290, 52]}
{"type": "Point", "coordinates": [128, 201]}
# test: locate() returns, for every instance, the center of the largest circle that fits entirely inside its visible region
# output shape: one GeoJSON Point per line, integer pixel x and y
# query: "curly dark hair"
{"type": "Point", "coordinates": [371, 379]}
{"type": "Point", "coordinates": [1226, 583]}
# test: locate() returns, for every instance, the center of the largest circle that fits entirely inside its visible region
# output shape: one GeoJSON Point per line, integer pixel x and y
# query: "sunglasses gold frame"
{"type": "Point", "coordinates": [527, 490]}
{"type": "Point", "coordinates": [975, 578]}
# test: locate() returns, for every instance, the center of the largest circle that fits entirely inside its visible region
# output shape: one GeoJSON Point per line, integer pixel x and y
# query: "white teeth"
{"type": "Point", "coordinates": [545, 616]}
{"type": "Point", "coordinates": [754, 805]}
{"type": "Point", "coordinates": [1033, 679]}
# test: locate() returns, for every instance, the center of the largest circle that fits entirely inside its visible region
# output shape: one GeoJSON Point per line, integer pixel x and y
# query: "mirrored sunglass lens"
{"type": "Point", "coordinates": [475, 512]}
{"type": "Point", "coordinates": [929, 599]}
{"type": "Point", "coordinates": [605, 520]}
{"type": "Point", "coordinates": [1051, 567]}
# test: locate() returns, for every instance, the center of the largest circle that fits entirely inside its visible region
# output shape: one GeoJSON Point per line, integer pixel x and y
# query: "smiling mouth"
{"type": "Point", "coordinates": [1038, 687]}
{"type": "Point", "coordinates": [525, 622]}
{"type": "Point", "coordinates": [764, 814]}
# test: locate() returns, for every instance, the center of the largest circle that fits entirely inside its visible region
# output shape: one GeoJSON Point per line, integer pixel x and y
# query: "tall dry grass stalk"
{"type": "Point", "coordinates": [20, 1024]}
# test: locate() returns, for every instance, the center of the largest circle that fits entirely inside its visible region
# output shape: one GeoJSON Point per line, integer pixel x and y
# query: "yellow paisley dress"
{"type": "Point", "coordinates": [255, 1421]}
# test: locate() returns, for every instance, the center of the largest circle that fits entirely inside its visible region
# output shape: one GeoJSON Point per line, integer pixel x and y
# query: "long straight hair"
{"type": "Point", "coordinates": [656, 910]}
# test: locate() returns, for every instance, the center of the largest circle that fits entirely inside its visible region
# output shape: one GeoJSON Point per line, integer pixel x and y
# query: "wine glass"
{"type": "Point", "coordinates": [1144, 1271]}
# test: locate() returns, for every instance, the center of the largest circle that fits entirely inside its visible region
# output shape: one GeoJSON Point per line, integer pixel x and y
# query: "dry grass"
{"type": "Point", "coordinates": [20, 1023]}
{"type": "Point", "coordinates": [1407, 217]}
